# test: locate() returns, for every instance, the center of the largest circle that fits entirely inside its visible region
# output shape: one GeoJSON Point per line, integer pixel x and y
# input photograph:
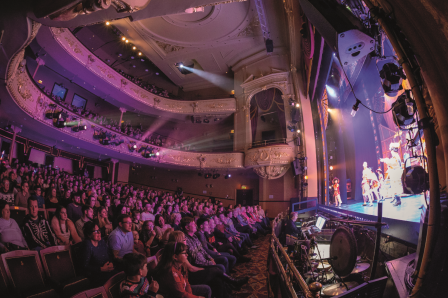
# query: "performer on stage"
{"type": "Point", "coordinates": [394, 171]}
{"type": "Point", "coordinates": [381, 184]}
{"type": "Point", "coordinates": [374, 185]}
{"type": "Point", "coordinates": [337, 193]}
{"type": "Point", "coordinates": [366, 191]}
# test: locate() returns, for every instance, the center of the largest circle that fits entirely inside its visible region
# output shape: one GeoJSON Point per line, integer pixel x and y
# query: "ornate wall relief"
{"type": "Point", "coordinates": [271, 172]}
{"type": "Point", "coordinates": [269, 155]}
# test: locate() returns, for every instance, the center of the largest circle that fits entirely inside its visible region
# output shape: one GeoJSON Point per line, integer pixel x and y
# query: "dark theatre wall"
{"type": "Point", "coordinates": [191, 183]}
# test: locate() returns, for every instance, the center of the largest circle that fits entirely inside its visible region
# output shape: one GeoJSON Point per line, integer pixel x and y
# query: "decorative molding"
{"type": "Point", "coordinates": [269, 155]}
{"type": "Point", "coordinates": [251, 29]}
{"type": "Point", "coordinates": [77, 50]}
{"type": "Point", "coordinates": [271, 172]}
{"type": "Point", "coordinates": [167, 48]}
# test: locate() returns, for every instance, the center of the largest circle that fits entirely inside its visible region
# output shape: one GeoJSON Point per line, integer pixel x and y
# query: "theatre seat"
{"type": "Point", "coordinates": [93, 293]}
{"type": "Point", "coordinates": [25, 274]}
{"type": "Point", "coordinates": [50, 212]}
{"type": "Point", "coordinates": [112, 286]}
{"type": "Point", "coordinates": [60, 271]}
{"type": "Point", "coordinates": [18, 214]}
{"type": "Point", "coordinates": [76, 257]}
{"type": "Point", "coordinates": [4, 290]}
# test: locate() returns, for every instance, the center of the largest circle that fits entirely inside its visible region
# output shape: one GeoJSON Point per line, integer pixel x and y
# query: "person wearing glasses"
{"type": "Point", "coordinates": [172, 274]}
{"type": "Point", "coordinates": [96, 262]}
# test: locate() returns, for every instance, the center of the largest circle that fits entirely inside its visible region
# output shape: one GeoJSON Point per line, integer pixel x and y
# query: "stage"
{"type": "Point", "coordinates": [407, 211]}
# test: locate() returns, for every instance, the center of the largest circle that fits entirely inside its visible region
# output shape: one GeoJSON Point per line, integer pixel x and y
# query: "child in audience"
{"type": "Point", "coordinates": [136, 284]}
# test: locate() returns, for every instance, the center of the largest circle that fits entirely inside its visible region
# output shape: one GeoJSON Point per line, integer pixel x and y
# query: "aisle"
{"type": "Point", "coordinates": [256, 270]}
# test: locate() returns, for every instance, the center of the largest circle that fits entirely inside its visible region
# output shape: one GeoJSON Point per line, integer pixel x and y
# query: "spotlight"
{"type": "Point", "coordinates": [331, 168]}
{"type": "Point", "coordinates": [79, 128]}
{"type": "Point", "coordinates": [139, 53]}
{"type": "Point", "coordinates": [331, 91]}
{"type": "Point", "coordinates": [123, 38]}
{"type": "Point", "coordinates": [415, 180]}
{"type": "Point", "coordinates": [127, 41]}
{"type": "Point", "coordinates": [392, 76]}
{"type": "Point", "coordinates": [181, 65]}
{"type": "Point", "coordinates": [291, 128]}
{"type": "Point", "coordinates": [227, 176]}
{"type": "Point", "coordinates": [403, 109]}
{"type": "Point", "coordinates": [132, 147]}
{"type": "Point", "coordinates": [157, 153]}
{"type": "Point", "coordinates": [107, 23]}
{"type": "Point", "coordinates": [216, 175]}
{"type": "Point", "coordinates": [207, 175]}
{"type": "Point", "coordinates": [291, 102]}
{"type": "Point", "coordinates": [306, 177]}
{"type": "Point", "coordinates": [298, 131]}
{"type": "Point", "coordinates": [297, 105]}
{"type": "Point", "coordinates": [134, 47]}
{"type": "Point", "coordinates": [355, 108]}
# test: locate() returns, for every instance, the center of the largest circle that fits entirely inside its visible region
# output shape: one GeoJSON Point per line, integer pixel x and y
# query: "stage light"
{"type": "Point", "coordinates": [331, 168]}
{"type": "Point", "coordinates": [298, 131]}
{"type": "Point", "coordinates": [134, 47]}
{"type": "Point", "coordinates": [127, 41]}
{"type": "Point", "coordinates": [415, 180]}
{"type": "Point", "coordinates": [355, 108]}
{"type": "Point", "coordinates": [79, 128]}
{"type": "Point", "coordinates": [206, 120]}
{"type": "Point", "coordinates": [331, 91]}
{"type": "Point", "coordinates": [329, 110]}
{"type": "Point", "coordinates": [157, 153]}
{"type": "Point", "coordinates": [291, 128]}
{"type": "Point", "coordinates": [401, 109]}
{"type": "Point", "coordinates": [227, 176]}
{"type": "Point", "coordinates": [123, 38]}
{"type": "Point", "coordinates": [392, 76]}
{"type": "Point", "coordinates": [207, 175]}
{"type": "Point", "coordinates": [297, 105]}
{"type": "Point", "coordinates": [216, 175]}
{"type": "Point", "coordinates": [292, 102]}
{"type": "Point", "coordinates": [139, 53]}
{"type": "Point", "coordinates": [306, 177]}
{"type": "Point", "coordinates": [181, 65]}
{"type": "Point", "coordinates": [107, 23]}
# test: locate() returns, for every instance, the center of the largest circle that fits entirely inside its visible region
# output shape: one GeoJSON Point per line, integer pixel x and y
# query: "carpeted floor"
{"type": "Point", "coordinates": [256, 270]}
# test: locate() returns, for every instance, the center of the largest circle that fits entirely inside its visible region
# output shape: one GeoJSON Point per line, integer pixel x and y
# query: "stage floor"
{"type": "Point", "coordinates": [407, 211]}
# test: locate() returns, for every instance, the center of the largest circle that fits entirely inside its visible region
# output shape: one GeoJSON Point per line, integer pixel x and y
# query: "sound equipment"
{"type": "Point", "coordinates": [269, 45]}
{"type": "Point", "coordinates": [297, 167]}
{"type": "Point", "coordinates": [295, 115]}
{"type": "Point", "coordinates": [340, 29]}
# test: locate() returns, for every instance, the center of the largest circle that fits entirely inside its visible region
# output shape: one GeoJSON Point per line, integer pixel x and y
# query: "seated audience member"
{"type": "Point", "coordinates": [103, 222]}
{"type": "Point", "coordinates": [227, 219]}
{"type": "Point", "coordinates": [22, 196]}
{"type": "Point", "coordinates": [96, 262]}
{"type": "Point", "coordinates": [64, 228]}
{"type": "Point", "coordinates": [223, 241]}
{"type": "Point", "coordinates": [263, 216]}
{"type": "Point", "coordinates": [36, 229]}
{"type": "Point", "coordinates": [87, 215]}
{"type": "Point", "coordinates": [7, 192]}
{"type": "Point", "coordinates": [11, 237]}
{"type": "Point", "coordinates": [121, 240]}
{"type": "Point", "coordinates": [160, 226]}
{"type": "Point", "coordinates": [149, 239]}
{"type": "Point", "coordinates": [39, 197]}
{"type": "Point", "coordinates": [243, 216]}
{"type": "Point", "coordinates": [67, 198]}
{"type": "Point", "coordinates": [185, 212]}
{"type": "Point", "coordinates": [136, 222]}
{"type": "Point", "coordinates": [241, 224]}
{"type": "Point", "coordinates": [136, 284]}
{"type": "Point", "coordinates": [52, 201]}
{"type": "Point", "coordinates": [175, 221]}
{"type": "Point", "coordinates": [225, 259]}
{"type": "Point", "coordinates": [138, 245]}
{"type": "Point", "coordinates": [172, 274]}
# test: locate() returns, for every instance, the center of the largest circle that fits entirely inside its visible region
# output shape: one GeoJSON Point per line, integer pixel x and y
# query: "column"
{"type": "Point", "coordinates": [114, 162]}
{"type": "Point", "coordinates": [16, 130]}
{"type": "Point", "coordinates": [122, 110]}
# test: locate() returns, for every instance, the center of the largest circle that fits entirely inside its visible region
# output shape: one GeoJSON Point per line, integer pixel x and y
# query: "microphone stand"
{"type": "Point", "coordinates": [314, 244]}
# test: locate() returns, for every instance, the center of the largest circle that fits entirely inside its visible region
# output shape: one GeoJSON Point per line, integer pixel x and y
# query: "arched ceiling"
{"type": "Point", "coordinates": [214, 39]}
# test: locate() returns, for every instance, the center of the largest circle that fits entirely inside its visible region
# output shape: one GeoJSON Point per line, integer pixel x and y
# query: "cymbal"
{"type": "Point", "coordinates": [311, 274]}
{"type": "Point", "coordinates": [360, 267]}
{"type": "Point", "coordinates": [339, 288]}
{"type": "Point", "coordinates": [314, 264]}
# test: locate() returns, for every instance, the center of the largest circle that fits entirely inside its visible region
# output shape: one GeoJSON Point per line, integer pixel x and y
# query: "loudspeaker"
{"type": "Point", "coordinates": [269, 45]}
{"type": "Point", "coordinates": [341, 30]}
{"type": "Point", "coordinates": [296, 167]}
{"type": "Point", "coordinates": [295, 115]}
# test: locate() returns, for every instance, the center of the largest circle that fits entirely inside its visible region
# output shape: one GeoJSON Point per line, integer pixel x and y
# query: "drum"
{"type": "Point", "coordinates": [343, 251]}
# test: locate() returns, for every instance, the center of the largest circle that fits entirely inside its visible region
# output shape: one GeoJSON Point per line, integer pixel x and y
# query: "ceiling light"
{"type": "Point", "coordinates": [123, 38]}
{"type": "Point", "coordinates": [107, 23]}
{"type": "Point", "coordinates": [139, 53]}
{"type": "Point", "coordinates": [134, 47]}
{"type": "Point", "coordinates": [127, 41]}
{"type": "Point", "coordinates": [298, 131]}
{"type": "Point", "coordinates": [306, 177]}
{"type": "Point", "coordinates": [331, 168]}
{"type": "Point", "coordinates": [297, 105]}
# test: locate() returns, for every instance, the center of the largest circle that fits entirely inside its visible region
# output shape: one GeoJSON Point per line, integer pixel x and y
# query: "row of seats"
{"type": "Point", "coordinates": [51, 272]}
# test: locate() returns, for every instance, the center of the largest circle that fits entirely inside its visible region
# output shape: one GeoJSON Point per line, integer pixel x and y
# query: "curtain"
{"type": "Point", "coordinates": [280, 107]}
{"type": "Point", "coordinates": [264, 101]}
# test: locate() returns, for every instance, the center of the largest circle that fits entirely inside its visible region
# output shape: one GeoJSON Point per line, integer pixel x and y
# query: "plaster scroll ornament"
{"type": "Point", "coordinates": [167, 48]}
{"type": "Point", "coordinates": [91, 60]}
{"type": "Point", "coordinates": [156, 101]}
{"type": "Point", "coordinates": [195, 105]}
{"type": "Point", "coordinates": [123, 83]}
{"type": "Point", "coordinates": [271, 172]}
{"type": "Point", "coordinates": [92, 6]}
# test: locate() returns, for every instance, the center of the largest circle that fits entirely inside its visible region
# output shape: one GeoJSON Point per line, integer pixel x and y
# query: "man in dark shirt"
{"type": "Point", "coordinates": [74, 209]}
{"type": "Point", "coordinates": [289, 228]}
{"type": "Point", "coordinates": [38, 196]}
{"type": "Point", "coordinates": [36, 229]}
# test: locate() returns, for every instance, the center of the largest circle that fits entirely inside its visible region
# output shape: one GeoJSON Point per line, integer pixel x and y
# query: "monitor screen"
{"type": "Point", "coordinates": [79, 102]}
{"type": "Point", "coordinates": [320, 222]}
{"type": "Point", "coordinates": [59, 91]}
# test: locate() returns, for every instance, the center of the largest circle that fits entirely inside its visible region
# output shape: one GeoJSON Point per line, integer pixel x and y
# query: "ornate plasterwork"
{"type": "Point", "coordinates": [271, 172]}
{"type": "Point", "coordinates": [252, 28]}
{"type": "Point", "coordinates": [168, 48]}
{"type": "Point", "coordinates": [269, 155]}
{"type": "Point", "coordinates": [35, 103]}
{"type": "Point", "coordinates": [77, 50]}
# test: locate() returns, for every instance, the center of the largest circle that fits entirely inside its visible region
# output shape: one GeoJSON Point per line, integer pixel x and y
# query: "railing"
{"type": "Point", "coordinates": [315, 207]}
{"type": "Point", "coordinates": [268, 143]}
{"type": "Point", "coordinates": [310, 291]}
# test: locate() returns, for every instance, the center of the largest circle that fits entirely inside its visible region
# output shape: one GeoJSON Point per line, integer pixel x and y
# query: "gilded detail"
{"type": "Point", "coordinates": [224, 160]}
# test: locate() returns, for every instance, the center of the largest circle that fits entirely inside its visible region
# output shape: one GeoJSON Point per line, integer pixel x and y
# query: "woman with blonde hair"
{"type": "Point", "coordinates": [103, 222]}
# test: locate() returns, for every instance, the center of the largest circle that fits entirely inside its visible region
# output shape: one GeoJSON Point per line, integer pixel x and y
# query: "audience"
{"type": "Point", "coordinates": [141, 230]}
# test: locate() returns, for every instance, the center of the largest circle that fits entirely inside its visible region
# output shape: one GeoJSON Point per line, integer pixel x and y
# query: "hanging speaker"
{"type": "Point", "coordinates": [269, 45]}
{"type": "Point", "coordinates": [341, 30]}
